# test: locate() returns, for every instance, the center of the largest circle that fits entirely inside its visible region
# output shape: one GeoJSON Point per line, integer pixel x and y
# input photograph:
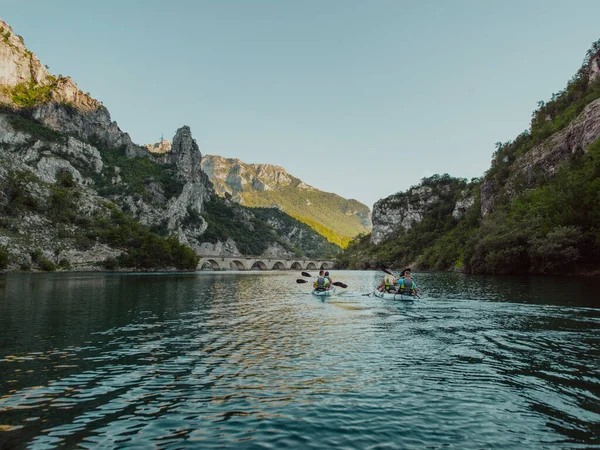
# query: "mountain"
{"type": "Point", "coordinates": [76, 192]}
{"type": "Point", "coordinates": [264, 185]}
{"type": "Point", "coordinates": [536, 209]}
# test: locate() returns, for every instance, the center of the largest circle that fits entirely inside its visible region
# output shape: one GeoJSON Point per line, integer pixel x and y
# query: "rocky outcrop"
{"type": "Point", "coordinates": [227, 248]}
{"type": "Point", "coordinates": [542, 161]}
{"type": "Point", "coordinates": [594, 68]}
{"type": "Point", "coordinates": [18, 65]}
{"type": "Point", "coordinates": [47, 159]}
{"type": "Point", "coordinates": [439, 194]}
{"type": "Point", "coordinates": [29, 169]}
{"type": "Point", "coordinates": [400, 212]}
{"type": "Point", "coordinates": [175, 215]}
{"type": "Point", "coordinates": [463, 205]}
{"type": "Point", "coordinates": [163, 146]}
{"type": "Point", "coordinates": [94, 124]}
{"type": "Point", "coordinates": [62, 106]}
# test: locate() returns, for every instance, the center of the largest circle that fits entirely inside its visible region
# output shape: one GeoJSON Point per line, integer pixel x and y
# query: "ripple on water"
{"type": "Point", "coordinates": [241, 360]}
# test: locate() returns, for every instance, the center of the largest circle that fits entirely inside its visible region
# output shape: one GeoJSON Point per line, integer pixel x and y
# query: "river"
{"type": "Point", "coordinates": [252, 360]}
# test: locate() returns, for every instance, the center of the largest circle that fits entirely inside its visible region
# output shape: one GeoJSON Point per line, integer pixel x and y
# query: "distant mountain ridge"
{"type": "Point", "coordinates": [265, 185]}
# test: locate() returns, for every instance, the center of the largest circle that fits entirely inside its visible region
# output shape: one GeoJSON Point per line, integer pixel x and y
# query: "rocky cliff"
{"type": "Point", "coordinates": [56, 102]}
{"type": "Point", "coordinates": [76, 192]}
{"type": "Point", "coordinates": [398, 213]}
{"type": "Point", "coordinates": [535, 210]}
{"type": "Point", "coordinates": [264, 185]}
{"type": "Point", "coordinates": [560, 130]}
{"type": "Point", "coordinates": [541, 162]}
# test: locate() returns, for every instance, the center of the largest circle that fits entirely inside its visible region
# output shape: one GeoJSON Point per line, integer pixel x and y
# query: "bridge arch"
{"type": "Point", "coordinates": [325, 266]}
{"type": "Point", "coordinates": [296, 266]}
{"type": "Point", "coordinates": [259, 265]}
{"type": "Point", "coordinates": [278, 265]}
{"type": "Point", "coordinates": [311, 266]}
{"type": "Point", "coordinates": [237, 265]}
{"type": "Point", "coordinates": [214, 265]}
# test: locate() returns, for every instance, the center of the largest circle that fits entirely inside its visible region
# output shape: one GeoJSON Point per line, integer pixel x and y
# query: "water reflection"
{"type": "Point", "coordinates": [220, 359]}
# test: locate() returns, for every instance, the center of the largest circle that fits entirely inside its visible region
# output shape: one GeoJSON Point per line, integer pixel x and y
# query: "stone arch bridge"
{"type": "Point", "coordinates": [262, 263]}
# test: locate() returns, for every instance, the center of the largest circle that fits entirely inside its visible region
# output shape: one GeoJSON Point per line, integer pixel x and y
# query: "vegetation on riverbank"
{"type": "Point", "coordinates": [549, 225]}
{"type": "Point", "coordinates": [435, 242]}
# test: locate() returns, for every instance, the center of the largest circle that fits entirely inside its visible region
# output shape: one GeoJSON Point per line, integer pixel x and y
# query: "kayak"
{"type": "Point", "coordinates": [390, 296]}
{"type": "Point", "coordinates": [324, 293]}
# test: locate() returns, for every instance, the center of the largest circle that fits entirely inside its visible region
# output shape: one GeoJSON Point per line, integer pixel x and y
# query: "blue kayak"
{"type": "Point", "coordinates": [392, 296]}
{"type": "Point", "coordinates": [325, 293]}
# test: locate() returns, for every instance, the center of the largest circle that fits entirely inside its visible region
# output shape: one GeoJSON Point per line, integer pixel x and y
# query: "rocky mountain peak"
{"type": "Point", "coordinates": [185, 154]}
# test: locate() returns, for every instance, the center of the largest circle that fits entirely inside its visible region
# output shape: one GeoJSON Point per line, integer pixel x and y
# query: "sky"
{"type": "Point", "coordinates": [360, 98]}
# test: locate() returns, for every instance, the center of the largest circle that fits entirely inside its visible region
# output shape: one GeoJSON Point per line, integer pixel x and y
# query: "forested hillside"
{"type": "Point", "coordinates": [264, 185]}
{"type": "Point", "coordinates": [536, 210]}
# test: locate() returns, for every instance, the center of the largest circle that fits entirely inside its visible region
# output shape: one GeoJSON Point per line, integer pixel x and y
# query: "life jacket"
{"type": "Point", "coordinates": [406, 287]}
{"type": "Point", "coordinates": [389, 281]}
{"type": "Point", "coordinates": [388, 286]}
{"type": "Point", "coordinates": [321, 283]}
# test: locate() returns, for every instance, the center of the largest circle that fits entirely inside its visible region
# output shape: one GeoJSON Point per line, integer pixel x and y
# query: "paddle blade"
{"type": "Point", "coordinates": [387, 271]}
{"type": "Point", "coordinates": [300, 281]}
{"type": "Point", "coordinates": [306, 274]}
{"type": "Point", "coordinates": [340, 284]}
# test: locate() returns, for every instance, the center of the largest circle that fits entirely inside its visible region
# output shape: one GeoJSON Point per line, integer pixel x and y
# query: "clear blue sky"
{"type": "Point", "coordinates": [360, 98]}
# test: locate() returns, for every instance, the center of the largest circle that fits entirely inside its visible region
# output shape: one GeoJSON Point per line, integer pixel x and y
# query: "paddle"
{"type": "Point", "coordinates": [306, 274]}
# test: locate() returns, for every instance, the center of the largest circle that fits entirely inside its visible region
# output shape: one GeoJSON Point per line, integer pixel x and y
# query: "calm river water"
{"type": "Point", "coordinates": [252, 360]}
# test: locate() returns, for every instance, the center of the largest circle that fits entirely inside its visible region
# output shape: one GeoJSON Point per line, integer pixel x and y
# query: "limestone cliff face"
{"type": "Point", "coordinates": [29, 167]}
{"type": "Point", "coordinates": [174, 214]}
{"type": "Point", "coordinates": [398, 213]}
{"type": "Point", "coordinates": [92, 124]}
{"type": "Point", "coordinates": [186, 157]}
{"type": "Point", "coordinates": [59, 103]}
{"type": "Point", "coordinates": [17, 64]}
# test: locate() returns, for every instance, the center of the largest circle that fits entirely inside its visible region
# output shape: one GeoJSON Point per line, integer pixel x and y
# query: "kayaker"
{"type": "Point", "coordinates": [406, 285]}
{"type": "Point", "coordinates": [387, 284]}
{"type": "Point", "coordinates": [322, 283]}
{"type": "Point", "coordinates": [329, 280]}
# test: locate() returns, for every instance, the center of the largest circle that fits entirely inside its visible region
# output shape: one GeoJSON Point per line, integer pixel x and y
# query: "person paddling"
{"type": "Point", "coordinates": [329, 280]}
{"type": "Point", "coordinates": [406, 285]}
{"type": "Point", "coordinates": [387, 284]}
{"type": "Point", "coordinates": [322, 282]}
